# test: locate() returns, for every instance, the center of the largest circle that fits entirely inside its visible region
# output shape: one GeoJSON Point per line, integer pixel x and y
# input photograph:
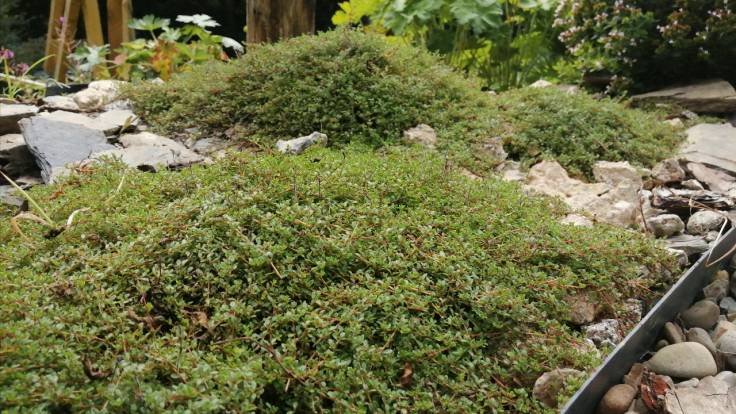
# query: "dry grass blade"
{"type": "Point", "coordinates": [28, 197]}
{"type": "Point", "coordinates": [14, 223]}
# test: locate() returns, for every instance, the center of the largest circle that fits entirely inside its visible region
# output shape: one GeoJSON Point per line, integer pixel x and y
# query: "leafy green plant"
{"type": "Point", "coordinates": [169, 50]}
{"type": "Point", "coordinates": [578, 130]}
{"type": "Point", "coordinates": [509, 43]}
{"type": "Point", "coordinates": [15, 81]}
{"type": "Point", "coordinates": [637, 42]}
{"type": "Point", "coordinates": [338, 281]}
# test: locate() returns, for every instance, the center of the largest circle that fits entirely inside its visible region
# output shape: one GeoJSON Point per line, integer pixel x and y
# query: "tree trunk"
{"type": "Point", "coordinates": [272, 20]}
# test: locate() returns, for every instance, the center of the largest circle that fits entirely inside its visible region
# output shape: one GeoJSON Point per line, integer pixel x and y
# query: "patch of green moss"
{"type": "Point", "coordinates": [578, 130]}
{"type": "Point", "coordinates": [336, 281]}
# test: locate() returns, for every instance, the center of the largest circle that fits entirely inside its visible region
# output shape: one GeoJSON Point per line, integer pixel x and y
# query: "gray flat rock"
{"type": "Point", "coordinates": [108, 122]}
{"type": "Point", "coordinates": [150, 152]}
{"type": "Point", "coordinates": [9, 198]}
{"type": "Point", "coordinates": [10, 114]}
{"type": "Point", "coordinates": [713, 144]}
{"type": "Point", "coordinates": [15, 159]}
{"type": "Point", "coordinates": [711, 96]}
{"type": "Point", "coordinates": [60, 103]}
{"type": "Point", "coordinates": [689, 244]}
{"type": "Point", "coordinates": [56, 144]}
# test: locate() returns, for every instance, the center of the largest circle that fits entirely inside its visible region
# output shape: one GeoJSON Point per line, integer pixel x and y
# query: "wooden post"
{"type": "Point", "coordinates": [62, 31]}
{"type": "Point", "coordinates": [272, 20]}
{"type": "Point", "coordinates": [119, 13]}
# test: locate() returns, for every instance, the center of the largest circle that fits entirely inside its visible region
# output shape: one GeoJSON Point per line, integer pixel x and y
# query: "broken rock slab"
{"type": "Point", "coordinates": [149, 152]}
{"type": "Point", "coordinates": [421, 134]}
{"type": "Point", "coordinates": [691, 245]}
{"type": "Point", "coordinates": [15, 159]}
{"type": "Point", "coordinates": [55, 144]}
{"type": "Point", "coordinates": [97, 95]}
{"type": "Point", "coordinates": [298, 145]}
{"type": "Point", "coordinates": [10, 114]}
{"type": "Point", "coordinates": [716, 180]}
{"type": "Point", "coordinates": [614, 201]}
{"type": "Point", "coordinates": [710, 96]}
{"type": "Point", "coordinates": [109, 122]}
{"type": "Point", "coordinates": [713, 144]}
{"type": "Point", "coordinates": [60, 103]}
{"type": "Point", "coordinates": [711, 395]}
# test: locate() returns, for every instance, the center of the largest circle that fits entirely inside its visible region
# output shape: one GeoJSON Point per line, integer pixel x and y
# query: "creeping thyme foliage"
{"type": "Point", "coordinates": [336, 281]}
{"type": "Point", "coordinates": [578, 130]}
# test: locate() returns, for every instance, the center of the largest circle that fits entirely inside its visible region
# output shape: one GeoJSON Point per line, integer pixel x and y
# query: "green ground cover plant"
{"type": "Point", "coordinates": [335, 281]}
{"type": "Point", "coordinates": [578, 130]}
{"type": "Point", "coordinates": [351, 86]}
{"type": "Point", "coordinates": [358, 87]}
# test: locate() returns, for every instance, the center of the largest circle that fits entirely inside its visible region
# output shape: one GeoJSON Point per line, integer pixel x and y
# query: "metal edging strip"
{"type": "Point", "coordinates": [646, 332]}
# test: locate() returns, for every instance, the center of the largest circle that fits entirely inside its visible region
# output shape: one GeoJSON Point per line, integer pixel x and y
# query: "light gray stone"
{"type": "Point", "coordinates": [713, 144]}
{"type": "Point", "coordinates": [97, 95]}
{"type": "Point", "coordinates": [15, 159]}
{"type": "Point", "coordinates": [716, 290]}
{"type": "Point", "coordinates": [668, 171]}
{"type": "Point", "coordinates": [60, 103]}
{"type": "Point", "coordinates": [702, 314]}
{"type": "Point", "coordinates": [666, 225]}
{"type": "Point", "coordinates": [298, 145]}
{"type": "Point", "coordinates": [583, 310]}
{"type": "Point", "coordinates": [683, 360]}
{"type": "Point", "coordinates": [108, 122]}
{"type": "Point", "coordinates": [604, 333]}
{"type": "Point", "coordinates": [728, 305]}
{"type": "Point", "coordinates": [615, 173]}
{"type": "Point", "coordinates": [577, 220]}
{"type": "Point", "coordinates": [209, 146]}
{"type": "Point", "coordinates": [691, 245]}
{"type": "Point", "coordinates": [491, 150]}
{"type": "Point", "coordinates": [617, 205]}
{"type": "Point", "coordinates": [541, 83]}
{"type": "Point", "coordinates": [10, 114]}
{"type": "Point", "coordinates": [701, 222]}
{"type": "Point", "coordinates": [715, 179]}
{"type": "Point", "coordinates": [691, 383]}
{"type": "Point", "coordinates": [150, 152]}
{"type": "Point", "coordinates": [617, 399]}
{"type": "Point", "coordinates": [728, 377]}
{"type": "Point", "coordinates": [421, 134]}
{"type": "Point", "coordinates": [55, 144]}
{"type": "Point", "coordinates": [726, 344]}
{"type": "Point", "coordinates": [694, 185]}
{"type": "Point", "coordinates": [9, 197]}
{"type": "Point", "coordinates": [710, 96]}
{"type": "Point", "coordinates": [548, 386]}
{"type": "Point", "coordinates": [673, 333]}
{"type": "Point", "coordinates": [682, 259]}
{"type": "Point", "coordinates": [702, 337]}
{"type": "Point", "coordinates": [511, 171]}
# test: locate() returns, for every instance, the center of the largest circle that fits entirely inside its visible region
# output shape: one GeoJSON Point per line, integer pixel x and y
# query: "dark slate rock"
{"type": "Point", "coordinates": [56, 144]}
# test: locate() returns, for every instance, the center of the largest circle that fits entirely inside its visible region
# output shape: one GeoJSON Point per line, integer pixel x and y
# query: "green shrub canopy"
{"type": "Point", "coordinates": [329, 282]}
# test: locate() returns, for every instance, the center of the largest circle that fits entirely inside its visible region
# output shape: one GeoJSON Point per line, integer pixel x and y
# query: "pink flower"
{"type": "Point", "coordinates": [6, 54]}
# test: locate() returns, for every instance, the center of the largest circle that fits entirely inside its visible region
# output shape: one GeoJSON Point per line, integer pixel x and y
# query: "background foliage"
{"type": "Point", "coordinates": [645, 43]}
{"type": "Point", "coordinates": [509, 43]}
{"type": "Point", "coordinates": [330, 282]}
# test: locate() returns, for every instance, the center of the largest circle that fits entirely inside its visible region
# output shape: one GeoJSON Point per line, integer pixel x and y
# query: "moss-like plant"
{"type": "Point", "coordinates": [349, 85]}
{"type": "Point", "coordinates": [578, 130]}
{"type": "Point", "coordinates": [339, 281]}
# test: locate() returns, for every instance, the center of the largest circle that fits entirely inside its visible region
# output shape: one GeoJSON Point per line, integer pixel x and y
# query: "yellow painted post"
{"type": "Point", "coordinates": [119, 13]}
{"type": "Point", "coordinates": [92, 22]}
{"type": "Point", "coordinates": [55, 13]}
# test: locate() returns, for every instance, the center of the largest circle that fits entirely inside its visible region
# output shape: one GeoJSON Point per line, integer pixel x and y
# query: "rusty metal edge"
{"type": "Point", "coordinates": [646, 332]}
